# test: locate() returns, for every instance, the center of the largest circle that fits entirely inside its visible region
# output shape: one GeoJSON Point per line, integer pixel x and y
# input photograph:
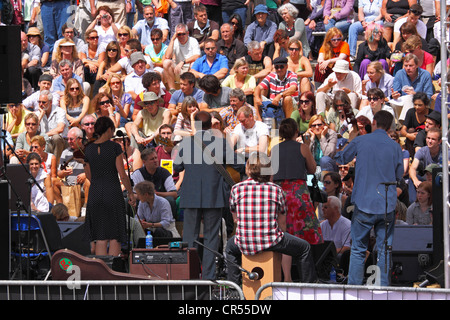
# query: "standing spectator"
{"type": "Point", "coordinates": [54, 15]}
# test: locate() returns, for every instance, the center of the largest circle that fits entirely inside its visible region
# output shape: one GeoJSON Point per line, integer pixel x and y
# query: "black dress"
{"type": "Point", "coordinates": [105, 211]}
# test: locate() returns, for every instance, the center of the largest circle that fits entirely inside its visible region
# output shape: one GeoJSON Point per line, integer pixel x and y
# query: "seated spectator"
{"type": "Point", "coordinates": [152, 81]}
{"type": "Point", "coordinates": [53, 123]}
{"type": "Point", "coordinates": [376, 100]}
{"type": "Point", "coordinates": [279, 46]}
{"type": "Point", "coordinates": [105, 25]}
{"type": "Point", "coordinates": [314, 23]}
{"type": "Point", "coordinates": [241, 79]}
{"type": "Point", "coordinates": [343, 79]}
{"type": "Point", "coordinates": [156, 50]}
{"type": "Point", "coordinates": [41, 200]}
{"type": "Point", "coordinates": [407, 30]}
{"type": "Point", "coordinates": [277, 91]}
{"type": "Point", "coordinates": [124, 64]}
{"type": "Point", "coordinates": [159, 176]}
{"type": "Point", "coordinates": [420, 211]}
{"type": "Point", "coordinates": [216, 97]}
{"type": "Point", "coordinates": [71, 166]}
{"type": "Point", "coordinates": [30, 60]}
{"type": "Point", "coordinates": [431, 153]}
{"type": "Point", "coordinates": [103, 106]}
{"type": "Point", "coordinates": [333, 49]}
{"type": "Point", "coordinates": [184, 125]}
{"type": "Point", "coordinates": [259, 64]}
{"type": "Point", "coordinates": [122, 100]}
{"type": "Point", "coordinates": [438, 103]}
{"type": "Point", "coordinates": [377, 77]}
{"type": "Point", "coordinates": [202, 28]}
{"type": "Point", "coordinates": [249, 135]}
{"type": "Point", "coordinates": [143, 28]}
{"type": "Point", "coordinates": [45, 83]}
{"type": "Point", "coordinates": [338, 14]}
{"type": "Point", "coordinates": [91, 55]}
{"type": "Point", "coordinates": [49, 163]}
{"type": "Point", "coordinates": [340, 113]}
{"type": "Point", "coordinates": [154, 212]}
{"type": "Point", "coordinates": [368, 12]}
{"type": "Point", "coordinates": [306, 109]}
{"type": "Point", "coordinates": [262, 29]}
{"type": "Point", "coordinates": [229, 46]}
{"type": "Point", "coordinates": [433, 120]}
{"type": "Point", "coordinates": [414, 45]}
{"type": "Point", "coordinates": [336, 227]}
{"type": "Point", "coordinates": [15, 119]}
{"type": "Point", "coordinates": [65, 73]}
{"type": "Point", "coordinates": [212, 63]}
{"type": "Point", "coordinates": [238, 24]}
{"type": "Point", "coordinates": [374, 48]}
{"type": "Point", "coordinates": [23, 141]}
{"type": "Point", "coordinates": [111, 58]}
{"type": "Point", "coordinates": [74, 102]}
{"type": "Point", "coordinates": [87, 125]}
{"type": "Point", "coordinates": [181, 53]}
{"type": "Point", "coordinates": [229, 114]}
{"type": "Point", "coordinates": [393, 11]}
{"type": "Point", "coordinates": [133, 81]}
{"type": "Point", "coordinates": [415, 120]}
{"type": "Point", "coordinates": [300, 65]}
{"type": "Point", "coordinates": [187, 88]}
{"type": "Point", "coordinates": [66, 50]}
{"type": "Point", "coordinates": [144, 128]}
{"type": "Point", "coordinates": [322, 141]}
{"type": "Point", "coordinates": [68, 34]}
{"type": "Point", "coordinates": [413, 16]}
{"type": "Point", "coordinates": [295, 26]}
{"type": "Point", "coordinates": [60, 212]}
{"type": "Point", "coordinates": [35, 38]}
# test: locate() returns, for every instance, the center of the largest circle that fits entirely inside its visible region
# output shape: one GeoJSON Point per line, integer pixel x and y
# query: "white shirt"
{"type": "Point", "coordinates": [420, 26]}
{"type": "Point", "coordinates": [126, 63]}
{"type": "Point", "coordinates": [339, 233]}
{"type": "Point", "coordinates": [250, 137]}
{"type": "Point", "coordinates": [352, 81]}
{"type": "Point", "coordinates": [187, 50]}
{"type": "Point", "coordinates": [367, 111]}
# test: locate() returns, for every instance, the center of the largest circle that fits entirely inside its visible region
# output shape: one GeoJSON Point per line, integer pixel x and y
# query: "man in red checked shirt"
{"type": "Point", "coordinates": [259, 210]}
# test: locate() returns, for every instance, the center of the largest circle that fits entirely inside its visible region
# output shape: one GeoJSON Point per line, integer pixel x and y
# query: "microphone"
{"type": "Point", "coordinates": [390, 183]}
{"type": "Point", "coordinates": [253, 275]}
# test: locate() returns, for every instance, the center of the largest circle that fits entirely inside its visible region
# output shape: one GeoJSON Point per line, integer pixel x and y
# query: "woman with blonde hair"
{"type": "Point", "coordinates": [74, 102]}
{"type": "Point", "coordinates": [334, 48]}
{"type": "Point", "coordinates": [67, 50]}
{"type": "Point", "coordinates": [241, 79]}
{"type": "Point", "coordinates": [300, 65]}
{"type": "Point", "coordinates": [122, 100]}
{"type": "Point", "coordinates": [123, 35]}
{"type": "Point", "coordinates": [92, 54]}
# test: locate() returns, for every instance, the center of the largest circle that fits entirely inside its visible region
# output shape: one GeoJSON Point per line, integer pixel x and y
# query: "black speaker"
{"type": "Point", "coordinates": [5, 233]}
{"type": "Point", "coordinates": [10, 66]}
{"type": "Point", "coordinates": [20, 189]}
{"type": "Point", "coordinates": [73, 237]}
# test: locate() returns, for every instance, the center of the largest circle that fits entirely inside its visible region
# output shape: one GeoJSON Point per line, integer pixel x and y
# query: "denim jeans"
{"type": "Point", "coordinates": [54, 15]}
{"type": "Point", "coordinates": [297, 248]}
{"type": "Point", "coordinates": [362, 224]}
{"type": "Point", "coordinates": [242, 12]}
{"type": "Point", "coordinates": [342, 25]}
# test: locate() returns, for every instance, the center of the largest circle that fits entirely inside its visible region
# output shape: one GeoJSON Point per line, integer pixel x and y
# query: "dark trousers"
{"type": "Point", "coordinates": [297, 248]}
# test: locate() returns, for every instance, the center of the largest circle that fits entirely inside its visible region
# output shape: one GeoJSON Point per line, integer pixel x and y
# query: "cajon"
{"type": "Point", "coordinates": [268, 266]}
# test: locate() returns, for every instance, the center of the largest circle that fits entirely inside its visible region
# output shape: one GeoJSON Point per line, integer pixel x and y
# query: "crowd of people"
{"type": "Point", "coordinates": [109, 96]}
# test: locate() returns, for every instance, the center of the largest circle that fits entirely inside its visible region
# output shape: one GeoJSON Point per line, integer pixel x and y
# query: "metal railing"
{"type": "Point", "coordinates": [120, 290]}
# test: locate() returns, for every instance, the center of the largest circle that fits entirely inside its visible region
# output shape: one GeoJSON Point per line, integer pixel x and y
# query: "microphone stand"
{"type": "Point", "coordinates": [387, 248]}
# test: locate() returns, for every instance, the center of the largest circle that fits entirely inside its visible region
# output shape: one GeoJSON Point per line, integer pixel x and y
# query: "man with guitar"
{"type": "Point", "coordinates": [71, 165]}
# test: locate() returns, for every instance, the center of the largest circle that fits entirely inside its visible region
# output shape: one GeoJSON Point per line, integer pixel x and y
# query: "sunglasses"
{"type": "Point", "coordinates": [112, 50]}
{"type": "Point", "coordinates": [123, 34]}
{"type": "Point", "coordinates": [317, 125]}
{"type": "Point", "coordinates": [155, 39]}
{"type": "Point", "coordinates": [303, 101]}
{"type": "Point", "coordinates": [415, 12]}
{"type": "Point", "coordinates": [104, 102]}
{"type": "Point", "coordinates": [31, 124]}
{"type": "Point", "coordinates": [74, 89]}
{"type": "Point", "coordinates": [280, 66]}
{"type": "Point", "coordinates": [373, 98]}
{"type": "Point", "coordinates": [210, 49]}
{"type": "Point", "coordinates": [336, 39]}
{"type": "Point", "coordinates": [181, 34]}
{"type": "Point", "coordinates": [93, 38]}
{"type": "Point", "coordinates": [294, 49]}
{"type": "Point", "coordinates": [33, 147]}
{"type": "Point", "coordinates": [87, 124]}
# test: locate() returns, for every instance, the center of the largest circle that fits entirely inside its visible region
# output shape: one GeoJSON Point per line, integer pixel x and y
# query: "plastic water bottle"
{"type": "Point", "coordinates": [333, 275]}
{"type": "Point", "coordinates": [149, 241]}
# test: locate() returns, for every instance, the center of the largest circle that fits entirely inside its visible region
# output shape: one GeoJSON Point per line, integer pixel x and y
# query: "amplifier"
{"type": "Point", "coordinates": [165, 263]}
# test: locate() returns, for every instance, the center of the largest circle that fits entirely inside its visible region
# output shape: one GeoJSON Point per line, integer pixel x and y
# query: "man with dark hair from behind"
{"type": "Point", "coordinates": [379, 165]}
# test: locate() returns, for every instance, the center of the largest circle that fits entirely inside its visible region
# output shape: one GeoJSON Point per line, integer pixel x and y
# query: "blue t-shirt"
{"type": "Point", "coordinates": [178, 96]}
{"type": "Point", "coordinates": [201, 65]}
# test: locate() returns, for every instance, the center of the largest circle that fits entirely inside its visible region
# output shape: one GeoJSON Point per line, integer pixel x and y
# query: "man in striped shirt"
{"type": "Point", "coordinates": [280, 87]}
{"type": "Point", "coordinates": [259, 209]}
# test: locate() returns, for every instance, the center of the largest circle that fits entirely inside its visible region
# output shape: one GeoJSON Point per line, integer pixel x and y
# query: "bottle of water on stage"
{"type": "Point", "coordinates": [149, 241]}
{"type": "Point", "coordinates": [332, 275]}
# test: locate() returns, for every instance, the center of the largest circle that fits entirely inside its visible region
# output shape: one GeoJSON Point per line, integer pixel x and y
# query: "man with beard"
{"type": "Point", "coordinates": [144, 27]}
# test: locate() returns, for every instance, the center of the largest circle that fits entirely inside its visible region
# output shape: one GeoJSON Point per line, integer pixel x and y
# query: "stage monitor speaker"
{"type": "Point", "coordinates": [165, 263]}
{"type": "Point", "coordinates": [19, 175]}
{"type": "Point", "coordinates": [5, 232]}
{"type": "Point", "coordinates": [412, 249]}
{"type": "Point", "coordinates": [10, 66]}
{"type": "Point", "coordinates": [72, 233]}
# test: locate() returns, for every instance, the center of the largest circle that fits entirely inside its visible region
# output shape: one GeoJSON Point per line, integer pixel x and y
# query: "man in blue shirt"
{"type": "Point", "coordinates": [187, 88]}
{"type": "Point", "coordinates": [414, 77]}
{"type": "Point", "coordinates": [211, 63]}
{"type": "Point", "coordinates": [262, 29]}
{"type": "Point", "coordinates": [378, 160]}
{"type": "Point", "coordinates": [144, 27]}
